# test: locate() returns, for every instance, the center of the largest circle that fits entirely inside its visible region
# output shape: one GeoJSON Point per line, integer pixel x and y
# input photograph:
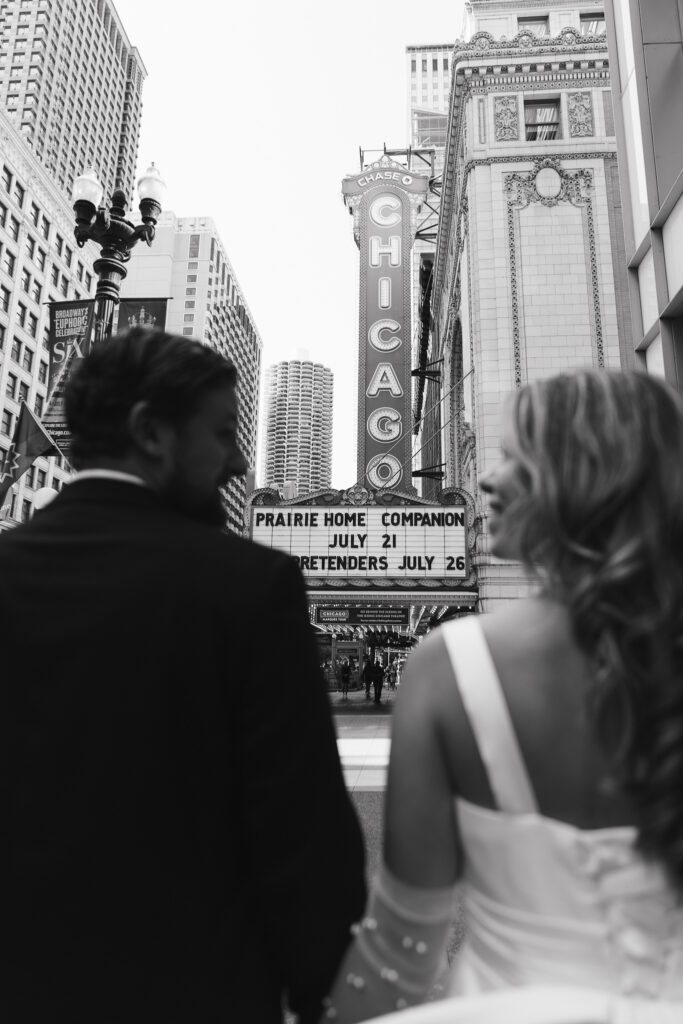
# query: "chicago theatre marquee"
{"type": "Point", "coordinates": [376, 556]}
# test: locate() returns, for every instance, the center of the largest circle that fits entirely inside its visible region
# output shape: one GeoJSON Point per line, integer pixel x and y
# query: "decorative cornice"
{"type": "Point", "coordinates": [559, 50]}
{"type": "Point", "coordinates": [569, 40]}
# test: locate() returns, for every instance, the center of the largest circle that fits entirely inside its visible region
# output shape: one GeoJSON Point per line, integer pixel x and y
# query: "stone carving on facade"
{"type": "Point", "coordinates": [580, 110]}
{"type": "Point", "coordinates": [549, 183]}
{"type": "Point", "coordinates": [506, 118]}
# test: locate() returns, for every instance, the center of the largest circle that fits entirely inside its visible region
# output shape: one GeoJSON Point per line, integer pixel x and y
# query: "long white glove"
{"type": "Point", "coordinates": [396, 954]}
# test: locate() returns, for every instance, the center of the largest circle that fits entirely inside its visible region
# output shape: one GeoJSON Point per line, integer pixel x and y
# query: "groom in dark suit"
{"type": "Point", "coordinates": [175, 810]}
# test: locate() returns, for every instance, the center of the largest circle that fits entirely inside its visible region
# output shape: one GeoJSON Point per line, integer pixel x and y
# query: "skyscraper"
{"type": "Point", "coordinates": [297, 436]}
{"type": "Point", "coordinates": [188, 265]}
{"type": "Point", "coordinates": [39, 263]}
{"type": "Point", "coordinates": [71, 83]}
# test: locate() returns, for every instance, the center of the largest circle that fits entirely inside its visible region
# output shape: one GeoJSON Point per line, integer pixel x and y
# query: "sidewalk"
{"type": "Point", "coordinates": [363, 738]}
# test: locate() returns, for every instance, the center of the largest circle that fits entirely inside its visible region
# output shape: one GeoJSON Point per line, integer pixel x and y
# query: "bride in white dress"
{"type": "Point", "coordinates": [537, 752]}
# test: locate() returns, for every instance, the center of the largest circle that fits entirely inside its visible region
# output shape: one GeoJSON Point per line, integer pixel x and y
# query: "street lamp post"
{"type": "Point", "coordinates": [115, 235]}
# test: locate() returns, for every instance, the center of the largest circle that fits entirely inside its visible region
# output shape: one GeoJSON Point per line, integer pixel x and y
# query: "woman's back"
{"type": "Point", "coordinates": [556, 892]}
{"type": "Point", "coordinates": [545, 680]}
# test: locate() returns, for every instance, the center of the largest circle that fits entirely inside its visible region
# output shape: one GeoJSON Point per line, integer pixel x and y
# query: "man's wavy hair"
{"type": "Point", "coordinates": [600, 519]}
{"type": "Point", "coordinates": [171, 373]}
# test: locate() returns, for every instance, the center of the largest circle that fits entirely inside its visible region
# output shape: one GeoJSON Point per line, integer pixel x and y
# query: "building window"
{"type": "Point", "coordinates": [59, 244]}
{"type": "Point", "coordinates": [35, 214]}
{"type": "Point", "coordinates": [593, 24]}
{"type": "Point", "coordinates": [539, 26]}
{"type": "Point", "coordinates": [40, 259]}
{"type": "Point", "coordinates": [68, 256]}
{"type": "Point", "coordinates": [31, 477]}
{"type": "Point", "coordinates": [192, 266]}
{"type": "Point", "coordinates": [188, 318]}
{"type": "Point", "coordinates": [64, 286]}
{"type": "Point", "coordinates": [188, 330]}
{"type": "Point", "coordinates": [41, 476]}
{"type": "Point", "coordinates": [30, 247]}
{"type": "Point", "coordinates": [23, 392]}
{"type": "Point", "coordinates": [45, 227]}
{"type": "Point", "coordinates": [36, 291]}
{"type": "Point", "coordinates": [413, 65]}
{"type": "Point", "coordinates": [6, 179]}
{"type": "Point", "coordinates": [79, 271]}
{"type": "Point", "coordinates": [25, 281]}
{"type": "Point", "coordinates": [19, 194]}
{"type": "Point", "coordinates": [542, 120]}
{"type": "Point", "coordinates": [3, 215]}
{"type": "Point", "coordinates": [88, 280]}
{"type": "Point", "coordinates": [25, 510]}
{"type": "Point", "coordinates": [21, 314]}
{"type": "Point", "coordinates": [3, 332]}
{"type": "Point", "coordinates": [189, 304]}
{"type": "Point", "coordinates": [32, 325]}
{"type": "Point", "coordinates": [42, 372]}
{"type": "Point", "coordinates": [6, 422]}
{"type": "Point", "coordinates": [8, 262]}
{"type": "Point", "coordinates": [445, 63]}
{"type": "Point", "coordinates": [191, 277]}
{"type": "Point", "coordinates": [27, 361]}
{"type": "Point", "coordinates": [38, 405]}
{"type": "Point", "coordinates": [11, 389]}
{"type": "Point", "coordinates": [14, 228]}
{"type": "Point", "coordinates": [190, 291]}
{"type": "Point", "coordinates": [54, 275]}
{"type": "Point", "coordinates": [193, 252]}
{"type": "Point", "coordinates": [16, 350]}
{"type": "Point", "coordinates": [4, 298]}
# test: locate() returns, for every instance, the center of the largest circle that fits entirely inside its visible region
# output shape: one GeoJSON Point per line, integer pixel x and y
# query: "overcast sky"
{"type": "Point", "coordinates": [254, 111]}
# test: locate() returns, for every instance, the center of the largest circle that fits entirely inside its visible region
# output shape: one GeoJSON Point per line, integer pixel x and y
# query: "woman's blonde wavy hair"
{"type": "Point", "coordinates": [600, 521]}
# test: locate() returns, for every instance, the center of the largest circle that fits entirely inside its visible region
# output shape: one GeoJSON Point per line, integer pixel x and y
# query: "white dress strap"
{"type": "Point", "coordinates": [488, 714]}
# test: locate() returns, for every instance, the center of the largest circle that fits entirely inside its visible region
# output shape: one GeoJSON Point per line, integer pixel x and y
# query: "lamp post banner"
{"type": "Point", "coordinates": [70, 338]}
{"type": "Point", "coordinates": [141, 313]}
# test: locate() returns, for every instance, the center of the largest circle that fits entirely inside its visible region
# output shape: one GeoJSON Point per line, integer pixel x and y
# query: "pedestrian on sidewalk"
{"type": "Point", "coordinates": [367, 676]}
{"type": "Point", "coordinates": [345, 678]}
{"type": "Point", "coordinates": [171, 806]}
{"type": "Point", "coordinates": [378, 680]}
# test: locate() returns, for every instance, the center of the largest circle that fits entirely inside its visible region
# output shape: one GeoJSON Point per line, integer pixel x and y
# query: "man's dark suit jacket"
{"type": "Point", "coordinates": [182, 846]}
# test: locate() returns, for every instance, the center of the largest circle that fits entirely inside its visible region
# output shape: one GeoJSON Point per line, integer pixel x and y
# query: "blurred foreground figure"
{"type": "Point", "coordinates": [537, 752]}
{"type": "Point", "coordinates": [172, 808]}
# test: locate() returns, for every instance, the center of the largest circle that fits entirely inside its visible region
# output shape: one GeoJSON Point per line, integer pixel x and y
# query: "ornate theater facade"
{"type": "Point", "coordinates": [530, 273]}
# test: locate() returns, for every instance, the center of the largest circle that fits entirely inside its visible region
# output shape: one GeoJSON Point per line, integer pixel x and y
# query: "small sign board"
{"type": "Point", "coordinates": [363, 616]}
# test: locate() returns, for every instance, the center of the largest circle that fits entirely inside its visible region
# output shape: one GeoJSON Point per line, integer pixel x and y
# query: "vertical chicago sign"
{"type": "Point", "coordinates": [384, 201]}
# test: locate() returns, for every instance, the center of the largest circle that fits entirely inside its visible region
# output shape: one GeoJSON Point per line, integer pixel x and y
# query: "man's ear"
{"type": "Point", "coordinates": [148, 432]}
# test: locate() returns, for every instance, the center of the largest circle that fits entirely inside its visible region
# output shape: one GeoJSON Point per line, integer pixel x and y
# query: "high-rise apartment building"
{"type": "Point", "coordinates": [39, 263]}
{"type": "Point", "coordinates": [188, 265]}
{"type": "Point", "coordinates": [71, 83]}
{"type": "Point", "coordinates": [297, 435]}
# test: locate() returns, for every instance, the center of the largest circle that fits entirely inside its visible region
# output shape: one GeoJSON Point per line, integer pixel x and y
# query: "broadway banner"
{"type": "Point", "coordinates": [141, 313]}
{"type": "Point", "coordinates": [69, 341]}
{"type": "Point", "coordinates": [30, 440]}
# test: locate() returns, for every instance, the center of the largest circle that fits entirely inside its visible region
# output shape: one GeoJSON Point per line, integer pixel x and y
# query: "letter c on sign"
{"type": "Point", "coordinates": [379, 205]}
{"type": "Point", "coordinates": [381, 344]}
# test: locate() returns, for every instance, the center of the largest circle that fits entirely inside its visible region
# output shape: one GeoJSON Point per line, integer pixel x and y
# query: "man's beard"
{"type": "Point", "coordinates": [209, 510]}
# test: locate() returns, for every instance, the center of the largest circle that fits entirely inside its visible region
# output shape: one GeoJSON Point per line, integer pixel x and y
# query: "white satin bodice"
{"type": "Point", "coordinates": [547, 903]}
